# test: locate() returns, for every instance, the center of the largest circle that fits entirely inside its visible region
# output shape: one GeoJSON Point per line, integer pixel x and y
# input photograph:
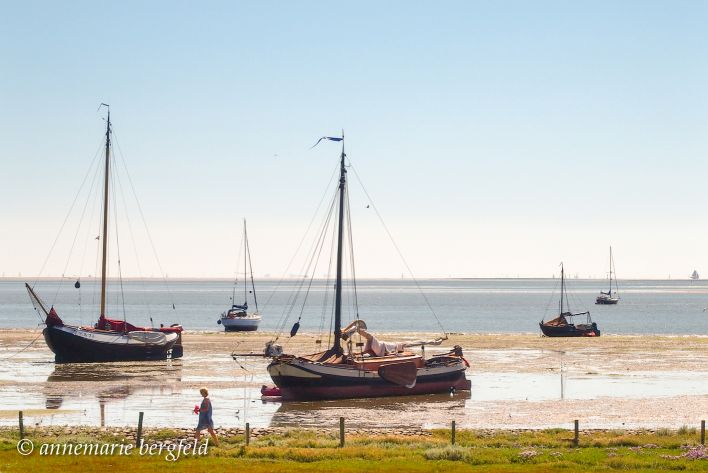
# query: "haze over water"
{"type": "Point", "coordinates": [469, 306]}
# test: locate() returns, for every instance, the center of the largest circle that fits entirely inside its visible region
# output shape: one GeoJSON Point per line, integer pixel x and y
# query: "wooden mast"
{"type": "Point", "coordinates": [104, 236]}
{"type": "Point", "coordinates": [337, 347]}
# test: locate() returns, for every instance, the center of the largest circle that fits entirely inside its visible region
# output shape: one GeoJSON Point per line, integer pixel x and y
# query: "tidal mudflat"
{"type": "Point", "coordinates": [518, 381]}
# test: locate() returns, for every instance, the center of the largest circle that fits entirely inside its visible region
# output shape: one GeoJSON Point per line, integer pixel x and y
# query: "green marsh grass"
{"type": "Point", "coordinates": [308, 450]}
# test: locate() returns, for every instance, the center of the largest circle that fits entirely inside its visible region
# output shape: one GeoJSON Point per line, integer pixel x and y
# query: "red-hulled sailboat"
{"type": "Point", "coordinates": [369, 367]}
{"type": "Point", "coordinates": [108, 339]}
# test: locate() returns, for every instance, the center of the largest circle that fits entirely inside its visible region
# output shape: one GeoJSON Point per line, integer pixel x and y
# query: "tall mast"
{"type": "Point", "coordinates": [610, 291]}
{"type": "Point", "coordinates": [562, 288]}
{"type": "Point", "coordinates": [338, 291]}
{"type": "Point", "coordinates": [245, 260]}
{"type": "Point", "coordinates": [104, 262]}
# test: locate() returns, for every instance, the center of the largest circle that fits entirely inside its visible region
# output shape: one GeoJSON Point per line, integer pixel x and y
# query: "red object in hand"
{"type": "Point", "coordinates": [196, 409]}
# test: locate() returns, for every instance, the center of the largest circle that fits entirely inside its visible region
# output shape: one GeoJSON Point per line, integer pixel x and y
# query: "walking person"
{"type": "Point", "coordinates": [205, 420]}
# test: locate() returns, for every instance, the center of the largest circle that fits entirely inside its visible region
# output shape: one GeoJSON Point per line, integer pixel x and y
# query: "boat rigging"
{"type": "Point", "coordinates": [356, 363]}
{"type": "Point", "coordinates": [108, 339]}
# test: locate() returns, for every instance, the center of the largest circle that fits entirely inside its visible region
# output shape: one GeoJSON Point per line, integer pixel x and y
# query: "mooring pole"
{"type": "Point", "coordinates": [452, 433]}
{"type": "Point", "coordinates": [140, 429]}
{"type": "Point", "coordinates": [22, 427]}
{"type": "Point", "coordinates": [576, 439]}
{"type": "Point", "coordinates": [341, 432]}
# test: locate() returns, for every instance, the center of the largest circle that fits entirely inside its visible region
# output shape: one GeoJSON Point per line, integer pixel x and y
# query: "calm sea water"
{"type": "Point", "coordinates": [472, 305]}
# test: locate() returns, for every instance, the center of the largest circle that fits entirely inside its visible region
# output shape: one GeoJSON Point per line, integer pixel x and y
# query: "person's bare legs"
{"type": "Point", "coordinates": [197, 435]}
{"type": "Point", "coordinates": [213, 436]}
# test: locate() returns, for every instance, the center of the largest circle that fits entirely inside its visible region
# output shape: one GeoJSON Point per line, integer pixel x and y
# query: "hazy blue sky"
{"type": "Point", "coordinates": [497, 138]}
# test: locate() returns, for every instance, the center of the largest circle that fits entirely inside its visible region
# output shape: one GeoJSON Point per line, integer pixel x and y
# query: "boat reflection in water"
{"type": "Point", "coordinates": [109, 382]}
{"type": "Point", "coordinates": [398, 411]}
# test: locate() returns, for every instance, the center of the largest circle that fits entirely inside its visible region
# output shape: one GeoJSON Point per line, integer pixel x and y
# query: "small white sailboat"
{"type": "Point", "coordinates": [695, 275]}
{"type": "Point", "coordinates": [237, 318]}
{"type": "Point", "coordinates": [608, 298]}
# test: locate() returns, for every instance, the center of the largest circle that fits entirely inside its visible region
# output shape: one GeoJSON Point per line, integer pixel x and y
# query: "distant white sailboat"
{"type": "Point", "coordinates": [237, 318]}
{"type": "Point", "coordinates": [695, 275]}
{"type": "Point", "coordinates": [608, 298]}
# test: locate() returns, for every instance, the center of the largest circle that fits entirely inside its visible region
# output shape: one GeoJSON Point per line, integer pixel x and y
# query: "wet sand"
{"type": "Point", "coordinates": [517, 382]}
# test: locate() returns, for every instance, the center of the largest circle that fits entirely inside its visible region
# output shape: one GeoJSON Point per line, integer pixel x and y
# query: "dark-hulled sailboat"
{"type": "Point", "coordinates": [563, 326]}
{"type": "Point", "coordinates": [369, 368]}
{"type": "Point", "coordinates": [608, 298]}
{"type": "Point", "coordinates": [108, 339]}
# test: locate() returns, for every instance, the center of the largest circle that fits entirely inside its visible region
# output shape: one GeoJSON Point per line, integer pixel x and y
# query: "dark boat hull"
{"type": "Point", "coordinates": [240, 329]}
{"type": "Point", "coordinates": [602, 301]}
{"type": "Point", "coordinates": [303, 384]}
{"type": "Point", "coordinates": [570, 330]}
{"type": "Point", "coordinates": [72, 348]}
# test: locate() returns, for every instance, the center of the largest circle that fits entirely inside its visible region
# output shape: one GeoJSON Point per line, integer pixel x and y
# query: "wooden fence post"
{"type": "Point", "coordinates": [140, 429]}
{"type": "Point", "coordinates": [452, 433]}
{"type": "Point", "coordinates": [576, 438]}
{"type": "Point", "coordinates": [341, 432]}
{"type": "Point", "coordinates": [22, 427]}
{"type": "Point", "coordinates": [248, 433]}
{"type": "Point", "coordinates": [703, 432]}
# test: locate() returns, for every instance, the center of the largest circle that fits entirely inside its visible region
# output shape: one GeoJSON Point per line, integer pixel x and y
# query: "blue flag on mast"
{"type": "Point", "coordinates": [330, 138]}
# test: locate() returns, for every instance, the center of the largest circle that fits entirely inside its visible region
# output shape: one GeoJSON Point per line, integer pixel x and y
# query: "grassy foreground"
{"type": "Point", "coordinates": [308, 450]}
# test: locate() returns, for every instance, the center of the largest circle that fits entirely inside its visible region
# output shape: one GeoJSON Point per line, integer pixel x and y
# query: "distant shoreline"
{"type": "Point", "coordinates": [298, 278]}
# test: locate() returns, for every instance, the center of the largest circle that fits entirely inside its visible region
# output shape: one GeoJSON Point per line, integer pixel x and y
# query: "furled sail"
{"type": "Point", "coordinates": [376, 347]}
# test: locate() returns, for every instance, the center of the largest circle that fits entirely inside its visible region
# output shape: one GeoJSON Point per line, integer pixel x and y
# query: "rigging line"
{"type": "Point", "coordinates": [94, 286]}
{"type": "Point", "coordinates": [238, 258]}
{"type": "Point", "coordinates": [613, 266]}
{"type": "Point", "coordinates": [294, 296]}
{"type": "Point", "coordinates": [287, 311]}
{"type": "Point", "coordinates": [351, 248]}
{"type": "Point", "coordinates": [309, 266]}
{"type": "Point", "coordinates": [250, 266]}
{"type": "Point", "coordinates": [141, 281]}
{"type": "Point", "coordinates": [142, 216]}
{"type": "Point", "coordinates": [89, 227]}
{"type": "Point", "coordinates": [550, 298]}
{"type": "Point", "coordinates": [314, 266]}
{"type": "Point", "coordinates": [71, 208]}
{"type": "Point", "coordinates": [94, 196]}
{"type": "Point", "coordinates": [576, 300]}
{"type": "Point", "coordinates": [567, 301]}
{"type": "Point", "coordinates": [37, 301]}
{"type": "Point", "coordinates": [351, 263]}
{"type": "Point", "coordinates": [23, 348]}
{"type": "Point", "coordinates": [76, 234]}
{"type": "Point", "coordinates": [328, 282]}
{"type": "Point", "coordinates": [302, 240]}
{"type": "Point", "coordinates": [400, 254]}
{"type": "Point", "coordinates": [115, 225]}
{"type": "Point", "coordinates": [91, 217]}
